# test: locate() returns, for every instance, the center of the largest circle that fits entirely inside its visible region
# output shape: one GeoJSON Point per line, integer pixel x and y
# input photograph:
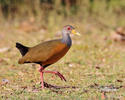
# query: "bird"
{"type": "Point", "coordinates": [47, 52]}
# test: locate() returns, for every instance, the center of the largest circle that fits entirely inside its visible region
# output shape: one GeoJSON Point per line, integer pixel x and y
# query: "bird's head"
{"type": "Point", "coordinates": [70, 29]}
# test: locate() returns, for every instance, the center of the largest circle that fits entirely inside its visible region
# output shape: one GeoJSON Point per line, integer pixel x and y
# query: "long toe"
{"type": "Point", "coordinates": [61, 76]}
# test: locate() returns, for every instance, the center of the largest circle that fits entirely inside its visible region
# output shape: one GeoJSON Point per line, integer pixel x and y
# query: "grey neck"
{"type": "Point", "coordinates": [66, 39]}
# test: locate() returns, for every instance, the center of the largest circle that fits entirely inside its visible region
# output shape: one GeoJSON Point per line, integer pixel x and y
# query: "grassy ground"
{"type": "Point", "coordinates": [95, 64]}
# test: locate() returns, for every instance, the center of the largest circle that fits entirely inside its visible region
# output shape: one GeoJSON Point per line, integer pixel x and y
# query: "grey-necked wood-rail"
{"type": "Point", "coordinates": [48, 52]}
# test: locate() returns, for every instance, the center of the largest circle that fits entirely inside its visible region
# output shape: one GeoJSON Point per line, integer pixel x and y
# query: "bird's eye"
{"type": "Point", "coordinates": [68, 28]}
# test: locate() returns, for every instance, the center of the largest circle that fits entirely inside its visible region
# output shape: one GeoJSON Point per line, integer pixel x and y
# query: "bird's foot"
{"type": "Point", "coordinates": [41, 70]}
{"type": "Point", "coordinates": [56, 73]}
{"type": "Point", "coordinates": [60, 75]}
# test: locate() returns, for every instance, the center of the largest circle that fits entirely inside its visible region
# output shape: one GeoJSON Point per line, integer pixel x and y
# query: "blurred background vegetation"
{"type": "Point", "coordinates": [48, 11]}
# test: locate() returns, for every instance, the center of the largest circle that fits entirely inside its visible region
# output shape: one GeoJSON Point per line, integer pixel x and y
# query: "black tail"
{"type": "Point", "coordinates": [23, 49]}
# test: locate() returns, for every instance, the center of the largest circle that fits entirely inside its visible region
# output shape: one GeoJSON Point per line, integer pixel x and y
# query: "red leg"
{"type": "Point", "coordinates": [41, 70]}
{"type": "Point", "coordinates": [42, 83]}
{"type": "Point", "coordinates": [41, 75]}
{"type": "Point", "coordinates": [56, 73]}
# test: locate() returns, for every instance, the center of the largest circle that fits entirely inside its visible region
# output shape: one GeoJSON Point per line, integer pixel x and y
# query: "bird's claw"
{"type": "Point", "coordinates": [60, 75]}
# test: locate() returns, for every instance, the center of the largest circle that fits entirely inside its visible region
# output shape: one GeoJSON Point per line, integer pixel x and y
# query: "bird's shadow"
{"type": "Point", "coordinates": [59, 89]}
{"type": "Point", "coordinates": [70, 89]}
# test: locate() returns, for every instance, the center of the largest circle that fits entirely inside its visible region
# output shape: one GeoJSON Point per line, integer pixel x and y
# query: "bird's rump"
{"type": "Point", "coordinates": [23, 49]}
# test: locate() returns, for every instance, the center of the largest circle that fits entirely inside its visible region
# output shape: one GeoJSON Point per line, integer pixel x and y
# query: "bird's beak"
{"type": "Point", "coordinates": [74, 32]}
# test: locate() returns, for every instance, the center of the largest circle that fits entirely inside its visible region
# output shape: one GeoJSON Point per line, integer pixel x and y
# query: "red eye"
{"type": "Point", "coordinates": [68, 28]}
